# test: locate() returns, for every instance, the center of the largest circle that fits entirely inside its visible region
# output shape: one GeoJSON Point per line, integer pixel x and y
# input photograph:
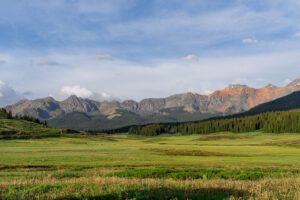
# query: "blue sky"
{"type": "Point", "coordinates": [144, 48]}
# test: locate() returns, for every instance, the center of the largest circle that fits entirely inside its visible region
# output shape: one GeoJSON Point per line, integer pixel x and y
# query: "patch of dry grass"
{"type": "Point", "coordinates": [279, 143]}
{"type": "Point", "coordinates": [215, 137]}
{"type": "Point", "coordinates": [122, 188]}
{"type": "Point", "coordinates": [185, 152]}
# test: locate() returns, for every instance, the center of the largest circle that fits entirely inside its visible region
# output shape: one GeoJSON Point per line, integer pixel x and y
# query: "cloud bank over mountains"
{"type": "Point", "coordinates": [78, 91]}
{"type": "Point", "coordinates": [134, 50]}
{"type": "Point", "coordinates": [85, 76]}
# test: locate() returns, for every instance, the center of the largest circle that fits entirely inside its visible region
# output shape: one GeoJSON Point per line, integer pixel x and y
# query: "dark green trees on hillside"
{"type": "Point", "coordinates": [149, 130]}
{"type": "Point", "coordinates": [270, 122]}
{"type": "Point", "coordinates": [4, 114]}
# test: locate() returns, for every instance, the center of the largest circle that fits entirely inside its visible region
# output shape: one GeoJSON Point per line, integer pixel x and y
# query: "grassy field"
{"type": "Point", "coordinates": [215, 166]}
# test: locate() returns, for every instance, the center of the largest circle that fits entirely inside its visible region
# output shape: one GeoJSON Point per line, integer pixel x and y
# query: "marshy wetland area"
{"type": "Point", "coordinates": [215, 166]}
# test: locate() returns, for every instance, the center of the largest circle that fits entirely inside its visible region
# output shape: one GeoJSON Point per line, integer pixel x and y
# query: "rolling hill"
{"type": "Point", "coordinates": [12, 128]}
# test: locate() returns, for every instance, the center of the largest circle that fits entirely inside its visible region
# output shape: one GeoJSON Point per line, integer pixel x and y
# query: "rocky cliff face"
{"type": "Point", "coordinates": [237, 98]}
{"type": "Point", "coordinates": [232, 99]}
{"type": "Point", "coordinates": [74, 103]}
{"type": "Point", "coordinates": [39, 108]}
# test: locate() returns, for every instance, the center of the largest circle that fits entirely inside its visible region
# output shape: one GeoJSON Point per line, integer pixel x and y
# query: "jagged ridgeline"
{"type": "Point", "coordinates": [85, 114]}
{"type": "Point", "coordinates": [269, 122]}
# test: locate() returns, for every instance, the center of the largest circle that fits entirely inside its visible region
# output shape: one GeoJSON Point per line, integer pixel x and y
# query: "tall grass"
{"type": "Point", "coordinates": [99, 187]}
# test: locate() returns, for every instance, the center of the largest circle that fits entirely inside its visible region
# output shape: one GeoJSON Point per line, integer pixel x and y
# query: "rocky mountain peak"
{"type": "Point", "coordinates": [237, 86]}
{"type": "Point", "coordinates": [294, 83]}
{"type": "Point", "coordinates": [74, 103]}
{"type": "Point", "coordinates": [233, 90]}
{"type": "Point", "coordinates": [130, 105]}
{"type": "Point", "coordinates": [73, 98]}
{"type": "Point", "coordinates": [271, 86]}
{"type": "Point", "coordinates": [49, 99]}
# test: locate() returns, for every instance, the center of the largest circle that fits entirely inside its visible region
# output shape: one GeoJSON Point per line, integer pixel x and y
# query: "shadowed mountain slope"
{"type": "Point", "coordinates": [289, 102]}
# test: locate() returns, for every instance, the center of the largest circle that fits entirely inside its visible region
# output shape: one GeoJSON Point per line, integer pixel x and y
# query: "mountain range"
{"type": "Point", "coordinates": [85, 114]}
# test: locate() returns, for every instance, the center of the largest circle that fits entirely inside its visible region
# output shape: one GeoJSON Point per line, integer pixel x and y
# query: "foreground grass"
{"type": "Point", "coordinates": [208, 174]}
{"type": "Point", "coordinates": [122, 188]}
{"type": "Point", "coordinates": [217, 166]}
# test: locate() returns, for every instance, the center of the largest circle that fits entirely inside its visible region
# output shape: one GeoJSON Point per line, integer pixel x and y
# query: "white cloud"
{"type": "Point", "coordinates": [8, 95]}
{"type": "Point", "coordinates": [197, 31]}
{"type": "Point", "coordinates": [47, 62]}
{"type": "Point", "coordinates": [207, 92]}
{"type": "Point", "coordinates": [104, 57]}
{"type": "Point", "coordinates": [160, 78]}
{"type": "Point", "coordinates": [103, 8]}
{"type": "Point", "coordinates": [165, 32]}
{"type": "Point", "coordinates": [249, 41]}
{"type": "Point", "coordinates": [192, 90]}
{"type": "Point", "coordinates": [76, 90]}
{"type": "Point", "coordinates": [105, 95]}
{"type": "Point", "coordinates": [67, 91]}
{"type": "Point", "coordinates": [2, 62]}
{"type": "Point", "coordinates": [191, 57]}
{"type": "Point", "coordinates": [287, 81]}
{"type": "Point", "coordinates": [166, 77]}
{"type": "Point", "coordinates": [297, 34]}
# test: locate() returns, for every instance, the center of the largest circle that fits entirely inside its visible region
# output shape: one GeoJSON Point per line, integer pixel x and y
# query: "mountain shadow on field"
{"type": "Point", "coordinates": [169, 193]}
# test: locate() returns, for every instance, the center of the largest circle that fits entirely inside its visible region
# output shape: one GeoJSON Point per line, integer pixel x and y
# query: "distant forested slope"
{"type": "Point", "coordinates": [269, 122]}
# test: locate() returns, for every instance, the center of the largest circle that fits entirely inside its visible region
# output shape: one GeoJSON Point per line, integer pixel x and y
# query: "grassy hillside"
{"type": "Point", "coordinates": [215, 166]}
{"type": "Point", "coordinates": [26, 127]}
{"type": "Point", "coordinates": [15, 128]}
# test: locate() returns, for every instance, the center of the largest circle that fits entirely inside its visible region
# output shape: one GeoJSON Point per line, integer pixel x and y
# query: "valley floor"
{"type": "Point", "coordinates": [215, 166]}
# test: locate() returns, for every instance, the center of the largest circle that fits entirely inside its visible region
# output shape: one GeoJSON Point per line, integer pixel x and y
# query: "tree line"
{"type": "Point", "coordinates": [269, 122]}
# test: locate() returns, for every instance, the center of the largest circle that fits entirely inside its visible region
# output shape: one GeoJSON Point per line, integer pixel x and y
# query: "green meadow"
{"type": "Point", "coordinates": [215, 166]}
